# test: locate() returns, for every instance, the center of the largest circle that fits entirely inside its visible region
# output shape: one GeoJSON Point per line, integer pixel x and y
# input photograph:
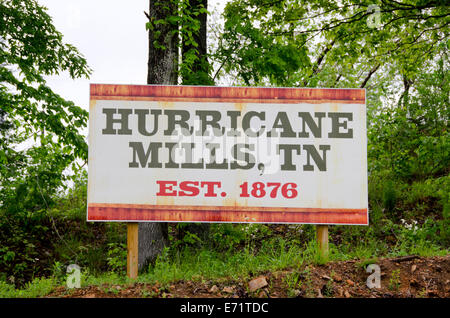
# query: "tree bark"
{"type": "Point", "coordinates": [162, 69]}
{"type": "Point", "coordinates": [372, 71]}
{"type": "Point", "coordinates": [198, 75]}
{"type": "Point", "coordinates": [199, 71]}
{"type": "Point", "coordinates": [404, 97]}
{"type": "Point", "coordinates": [162, 62]}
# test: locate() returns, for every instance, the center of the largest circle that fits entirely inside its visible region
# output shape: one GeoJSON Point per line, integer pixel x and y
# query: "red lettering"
{"type": "Point", "coordinates": [165, 186]}
{"type": "Point", "coordinates": [191, 187]}
{"type": "Point", "coordinates": [210, 188]}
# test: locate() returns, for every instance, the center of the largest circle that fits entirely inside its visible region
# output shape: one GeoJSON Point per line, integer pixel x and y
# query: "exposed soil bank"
{"type": "Point", "coordinates": [405, 277]}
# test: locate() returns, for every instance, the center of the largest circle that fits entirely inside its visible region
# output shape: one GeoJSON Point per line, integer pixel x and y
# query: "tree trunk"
{"type": "Point", "coordinates": [162, 69]}
{"type": "Point", "coordinates": [197, 75]}
{"type": "Point", "coordinates": [162, 61]}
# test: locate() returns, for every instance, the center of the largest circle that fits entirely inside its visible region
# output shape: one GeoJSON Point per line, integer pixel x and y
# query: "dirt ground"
{"type": "Point", "coordinates": [404, 277]}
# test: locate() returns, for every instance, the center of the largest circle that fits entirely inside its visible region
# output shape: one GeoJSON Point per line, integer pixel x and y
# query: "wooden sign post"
{"type": "Point", "coordinates": [132, 250]}
{"type": "Point", "coordinates": [322, 239]}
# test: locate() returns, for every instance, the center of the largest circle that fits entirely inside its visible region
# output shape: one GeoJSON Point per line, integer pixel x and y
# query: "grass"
{"type": "Point", "coordinates": [293, 283]}
{"type": "Point", "coordinates": [191, 264]}
{"type": "Point", "coordinates": [239, 251]}
{"type": "Point", "coordinates": [267, 253]}
{"type": "Point", "coordinates": [199, 264]}
{"type": "Point", "coordinates": [37, 288]}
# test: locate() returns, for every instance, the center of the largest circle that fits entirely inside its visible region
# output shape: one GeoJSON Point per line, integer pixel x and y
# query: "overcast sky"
{"type": "Point", "coordinates": [110, 34]}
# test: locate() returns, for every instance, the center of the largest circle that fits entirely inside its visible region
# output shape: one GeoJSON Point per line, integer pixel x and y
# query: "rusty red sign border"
{"type": "Point", "coordinates": [223, 214]}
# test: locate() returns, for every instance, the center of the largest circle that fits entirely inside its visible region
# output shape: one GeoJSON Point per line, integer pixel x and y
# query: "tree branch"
{"type": "Point", "coordinates": [372, 71]}
{"type": "Point", "coordinates": [319, 61]}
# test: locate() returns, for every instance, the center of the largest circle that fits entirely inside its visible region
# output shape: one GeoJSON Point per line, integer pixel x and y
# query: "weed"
{"type": "Point", "coordinates": [313, 253]}
{"type": "Point", "coordinates": [422, 293]}
{"type": "Point", "coordinates": [394, 281]}
{"type": "Point", "coordinates": [308, 283]}
{"type": "Point", "coordinates": [328, 290]}
{"type": "Point", "coordinates": [113, 290]}
{"type": "Point", "coordinates": [58, 271]}
{"type": "Point", "coordinates": [148, 293]}
{"type": "Point", "coordinates": [117, 257]}
{"type": "Point", "coordinates": [293, 283]}
{"type": "Point", "coordinates": [365, 262]}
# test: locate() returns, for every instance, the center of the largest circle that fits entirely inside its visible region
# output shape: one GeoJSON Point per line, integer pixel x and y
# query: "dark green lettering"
{"type": "Point", "coordinates": [307, 120]}
{"type": "Point", "coordinates": [281, 121]}
{"type": "Point", "coordinates": [182, 122]}
{"type": "Point", "coordinates": [238, 153]}
{"type": "Point", "coordinates": [188, 164]}
{"type": "Point", "coordinates": [171, 148]}
{"type": "Point", "coordinates": [142, 115]}
{"type": "Point", "coordinates": [214, 165]}
{"type": "Point", "coordinates": [246, 123]}
{"type": "Point", "coordinates": [287, 150]}
{"type": "Point", "coordinates": [321, 162]}
{"type": "Point", "coordinates": [213, 122]}
{"type": "Point", "coordinates": [138, 151]}
{"type": "Point", "coordinates": [336, 124]}
{"type": "Point", "coordinates": [233, 114]}
{"type": "Point", "coordinates": [123, 121]}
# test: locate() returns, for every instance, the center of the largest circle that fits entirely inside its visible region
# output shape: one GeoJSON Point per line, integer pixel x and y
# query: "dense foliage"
{"type": "Point", "coordinates": [31, 113]}
{"type": "Point", "coordinates": [39, 130]}
{"type": "Point", "coordinates": [397, 50]}
{"type": "Point", "coordinates": [331, 43]}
